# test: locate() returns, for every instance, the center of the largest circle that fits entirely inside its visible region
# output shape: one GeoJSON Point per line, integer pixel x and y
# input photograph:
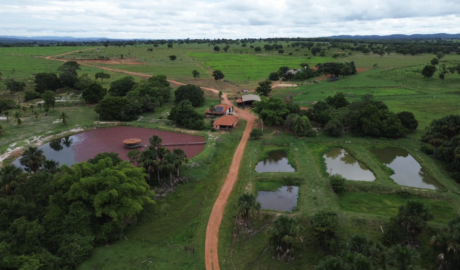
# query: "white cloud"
{"type": "Point", "coordinates": [226, 19]}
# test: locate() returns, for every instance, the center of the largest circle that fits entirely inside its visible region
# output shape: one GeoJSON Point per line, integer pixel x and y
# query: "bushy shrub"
{"type": "Point", "coordinates": [29, 95]}
{"type": "Point", "coordinates": [256, 134]}
{"type": "Point", "coordinates": [337, 182]}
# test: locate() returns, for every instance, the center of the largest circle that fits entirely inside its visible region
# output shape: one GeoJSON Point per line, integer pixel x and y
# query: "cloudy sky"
{"type": "Point", "coordinates": [164, 19]}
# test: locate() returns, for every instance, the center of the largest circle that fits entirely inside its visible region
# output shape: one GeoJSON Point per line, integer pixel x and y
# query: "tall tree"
{"type": "Point", "coordinates": [180, 158]}
{"type": "Point", "coordinates": [102, 75]}
{"type": "Point", "coordinates": [283, 233]}
{"type": "Point", "coordinates": [195, 73]}
{"type": "Point", "coordinates": [64, 116]}
{"type": "Point", "coordinates": [413, 217]}
{"type": "Point", "coordinates": [32, 158]}
{"type": "Point", "coordinates": [264, 87]}
{"type": "Point", "coordinates": [218, 75]}
{"type": "Point", "coordinates": [190, 92]}
{"type": "Point", "coordinates": [49, 98]}
{"type": "Point", "coordinates": [247, 206]}
{"type": "Point", "coordinates": [14, 86]}
{"type": "Point", "coordinates": [10, 178]}
{"type": "Point", "coordinates": [17, 118]}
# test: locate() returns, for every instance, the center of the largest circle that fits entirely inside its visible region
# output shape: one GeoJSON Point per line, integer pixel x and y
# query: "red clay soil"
{"type": "Point", "coordinates": [215, 219]}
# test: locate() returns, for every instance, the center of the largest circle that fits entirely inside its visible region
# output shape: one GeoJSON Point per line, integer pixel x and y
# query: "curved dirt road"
{"type": "Point", "coordinates": [215, 219]}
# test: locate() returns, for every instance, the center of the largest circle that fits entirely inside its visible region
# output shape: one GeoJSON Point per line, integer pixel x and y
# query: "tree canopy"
{"type": "Point", "coordinates": [217, 74]}
{"type": "Point", "coordinates": [264, 88]}
{"type": "Point", "coordinates": [184, 115]}
{"type": "Point", "coordinates": [190, 92]}
{"type": "Point", "coordinates": [94, 93]}
{"type": "Point", "coordinates": [46, 81]}
{"type": "Point", "coordinates": [122, 86]}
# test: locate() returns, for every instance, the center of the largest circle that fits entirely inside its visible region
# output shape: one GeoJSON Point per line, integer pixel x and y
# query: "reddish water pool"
{"type": "Point", "coordinates": [83, 146]}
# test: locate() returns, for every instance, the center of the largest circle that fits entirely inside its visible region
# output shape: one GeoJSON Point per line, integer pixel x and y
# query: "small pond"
{"type": "Point", "coordinates": [284, 199]}
{"type": "Point", "coordinates": [277, 161]}
{"type": "Point", "coordinates": [408, 171]}
{"type": "Point", "coordinates": [339, 161]}
{"type": "Point", "coordinates": [83, 146]}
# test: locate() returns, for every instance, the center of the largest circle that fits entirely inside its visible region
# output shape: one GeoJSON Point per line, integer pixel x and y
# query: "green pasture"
{"type": "Point", "coordinates": [241, 67]}
{"type": "Point", "coordinates": [387, 205]}
{"type": "Point", "coordinates": [40, 51]}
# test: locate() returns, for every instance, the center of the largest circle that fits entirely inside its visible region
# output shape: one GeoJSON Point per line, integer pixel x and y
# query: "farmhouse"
{"type": "Point", "coordinates": [247, 100]}
{"type": "Point", "coordinates": [221, 109]}
{"type": "Point", "coordinates": [226, 122]}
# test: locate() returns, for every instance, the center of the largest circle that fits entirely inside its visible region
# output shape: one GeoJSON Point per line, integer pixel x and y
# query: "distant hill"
{"type": "Point", "coordinates": [399, 36]}
{"type": "Point", "coordinates": [50, 39]}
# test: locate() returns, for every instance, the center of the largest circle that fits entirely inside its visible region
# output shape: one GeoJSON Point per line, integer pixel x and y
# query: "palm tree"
{"type": "Point", "coordinates": [247, 205]}
{"type": "Point", "coordinates": [10, 178]}
{"type": "Point", "coordinates": [31, 108]}
{"type": "Point", "coordinates": [32, 158]}
{"type": "Point", "coordinates": [283, 232]}
{"type": "Point", "coordinates": [155, 144]}
{"type": "Point", "coordinates": [181, 158]}
{"type": "Point", "coordinates": [51, 166]}
{"type": "Point", "coordinates": [413, 218]}
{"type": "Point", "coordinates": [39, 106]}
{"type": "Point", "coordinates": [361, 244]}
{"type": "Point", "coordinates": [402, 258]}
{"type": "Point", "coordinates": [168, 163]}
{"type": "Point", "coordinates": [36, 114]}
{"type": "Point", "coordinates": [18, 107]}
{"type": "Point", "coordinates": [331, 263]}
{"type": "Point", "coordinates": [150, 165]}
{"type": "Point", "coordinates": [6, 114]}
{"type": "Point", "coordinates": [17, 118]}
{"type": "Point", "coordinates": [64, 116]}
{"type": "Point", "coordinates": [24, 109]}
{"type": "Point", "coordinates": [449, 244]}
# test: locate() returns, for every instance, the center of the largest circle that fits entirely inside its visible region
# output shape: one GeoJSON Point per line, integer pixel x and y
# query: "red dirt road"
{"type": "Point", "coordinates": [215, 219]}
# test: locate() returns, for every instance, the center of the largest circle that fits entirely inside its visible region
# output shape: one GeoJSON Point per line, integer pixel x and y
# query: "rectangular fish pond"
{"type": "Point", "coordinates": [284, 199]}
{"type": "Point", "coordinates": [407, 170]}
{"type": "Point", "coordinates": [276, 161]}
{"type": "Point", "coordinates": [339, 161]}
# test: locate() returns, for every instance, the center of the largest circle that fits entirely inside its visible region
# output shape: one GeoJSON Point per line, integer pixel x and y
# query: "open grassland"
{"type": "Point", "coordinates": [157, 241]}
{"type": "Point", "coordinates": [363, 208]}
{"type": "Point", "coordinates": [402, 89]}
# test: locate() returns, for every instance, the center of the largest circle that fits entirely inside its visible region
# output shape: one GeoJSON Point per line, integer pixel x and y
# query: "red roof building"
{"type": "Point", "coordinates": [226, 122]}
{"type": "Point", "coordinates": [221, 109]}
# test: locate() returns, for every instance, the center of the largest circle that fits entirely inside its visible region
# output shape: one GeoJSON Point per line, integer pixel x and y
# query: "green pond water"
{"type": "Point", "coordinates": [408, 172]}
{"type": "Point", "coordinates": [339, 161]}
{"type": "Point", "coordinates": [277, 161]}
{"type": "Point", "coordinates": [284, 199]}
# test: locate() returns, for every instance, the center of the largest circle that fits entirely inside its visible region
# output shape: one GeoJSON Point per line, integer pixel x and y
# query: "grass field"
{"type": "Point", "coordinates": [180, 219]}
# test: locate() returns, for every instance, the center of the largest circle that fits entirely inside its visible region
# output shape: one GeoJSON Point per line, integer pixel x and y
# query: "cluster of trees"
{"type": "Point", "coordinates": [444, 135]}
{"type": "Point", "coordinates": [52, 217]}
{"type": "Point", "coordinates": [159, 160]}
{"type": "Point", "coordinates": [275, 111]}
{"type": "Point", "coordinates": [185, 115]}
{"type": "Point", "coordinates": [302, 74]}
{"type": "Point", "coordinates": [365, 117]}
{"type": "Point", "coordinates": [127, 99]}
{"type": "Point", "coordinates": [336, 69]}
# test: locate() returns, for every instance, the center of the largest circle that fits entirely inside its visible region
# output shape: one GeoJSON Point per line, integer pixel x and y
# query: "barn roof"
{"type": "Point", "coordinates": [227, 120]}
{"type": "Point", "coordinates": [251, 98]}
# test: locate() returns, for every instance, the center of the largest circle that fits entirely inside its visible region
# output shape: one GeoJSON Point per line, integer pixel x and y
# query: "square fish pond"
{"type": "Point", "coordinates": [284, 199]}
{"type": "Point", "coordinates": [276, 161]}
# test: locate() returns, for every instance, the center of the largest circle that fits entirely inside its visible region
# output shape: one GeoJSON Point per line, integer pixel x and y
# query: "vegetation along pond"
{"type": "Point", "coordinates": [407, 171]}
{"type": "Point", "coordinates": [83, 146]}
{"type": "Point", "coordinates": [284, 199]}
{"type": "Point", "coordinates": [277, 161]}
{"type": "Point", "coordinates": [339, 161]}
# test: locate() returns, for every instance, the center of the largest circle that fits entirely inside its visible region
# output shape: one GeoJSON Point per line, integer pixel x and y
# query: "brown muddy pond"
{"type": "Point", "coordinates": [339, 161]}
{"type": "Point", "coordinates": [277, 161]}
{"type": "Point", "coordinates": [284, 199]}
{"type": "Point", "coordinates": [408, 172]}
{"type": "Point", "coordinates": [83, 146]}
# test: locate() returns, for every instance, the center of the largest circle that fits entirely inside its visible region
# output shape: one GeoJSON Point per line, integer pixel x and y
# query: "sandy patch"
{"type": "Point", "coordinates": [287, 85]}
